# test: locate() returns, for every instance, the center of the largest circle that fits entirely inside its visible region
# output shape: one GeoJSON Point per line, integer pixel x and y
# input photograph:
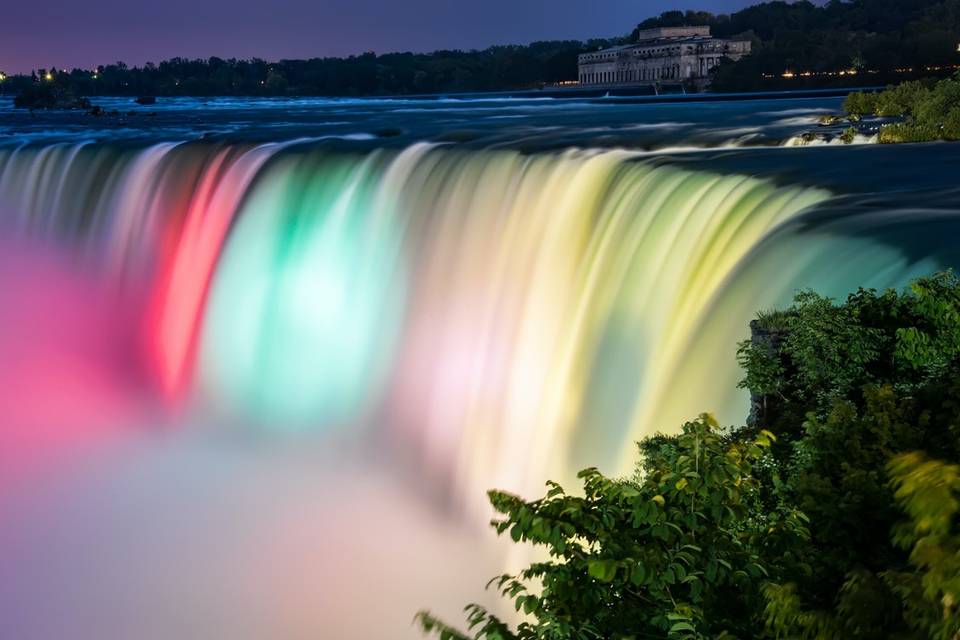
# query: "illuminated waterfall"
{"type": "Point", "coordinates": [499, 317]}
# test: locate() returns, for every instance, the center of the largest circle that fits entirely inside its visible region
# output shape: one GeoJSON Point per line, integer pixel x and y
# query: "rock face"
{"type": "Point", "coordinates": [49, 96]}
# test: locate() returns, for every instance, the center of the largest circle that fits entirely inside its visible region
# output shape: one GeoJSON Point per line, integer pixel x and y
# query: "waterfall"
{"type": "Point", "coordinates": [496, 316]}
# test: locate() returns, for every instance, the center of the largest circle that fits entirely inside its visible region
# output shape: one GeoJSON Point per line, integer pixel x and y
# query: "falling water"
{"type": "Point", "coordinates": [501, 316]}
{"type": "Point", "coordinates": [484, 318]}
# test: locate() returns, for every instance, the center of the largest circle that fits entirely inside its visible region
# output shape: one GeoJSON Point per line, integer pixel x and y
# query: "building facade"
{"type": "Point", "coordinates": [666, 55]}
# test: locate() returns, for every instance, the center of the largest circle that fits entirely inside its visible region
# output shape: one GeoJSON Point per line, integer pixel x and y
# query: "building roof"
{"type": "Point", "coordinates": [661, 33]}
{"type": "Point", "coordinates": [660, 42]}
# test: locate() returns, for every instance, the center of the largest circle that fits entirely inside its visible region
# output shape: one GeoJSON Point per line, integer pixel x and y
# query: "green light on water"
{"type": "Point", "coordinates": [305, 304]}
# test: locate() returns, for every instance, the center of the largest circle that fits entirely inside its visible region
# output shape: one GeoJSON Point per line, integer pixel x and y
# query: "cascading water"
{"type": "Point", "coordinates": [504, 316]}
{"type": "Point", "coordinates": [494, 317]}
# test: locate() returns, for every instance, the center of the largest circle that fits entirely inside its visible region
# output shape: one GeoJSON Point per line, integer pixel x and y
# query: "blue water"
{"type": "Point", "coordinates": [525, 122]}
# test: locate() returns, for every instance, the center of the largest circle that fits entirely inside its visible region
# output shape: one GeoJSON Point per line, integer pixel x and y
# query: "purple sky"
{"type": "Point", "coordinates": [74, 33]}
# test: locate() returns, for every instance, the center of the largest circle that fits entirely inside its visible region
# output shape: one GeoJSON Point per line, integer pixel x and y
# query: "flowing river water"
{"type": "Point", "coordinates": [260, 359]}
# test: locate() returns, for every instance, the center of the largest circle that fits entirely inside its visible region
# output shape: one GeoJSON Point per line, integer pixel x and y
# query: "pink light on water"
{"type": "Point", "coordinates": [69, 378]}
{"type": "Point", "coordinates": [193, 244]}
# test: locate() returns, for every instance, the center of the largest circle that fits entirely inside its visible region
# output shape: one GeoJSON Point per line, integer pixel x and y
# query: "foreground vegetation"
{"type": "Point", "coordinates": [835, 514]}
{"type": "Point", "coordinates": [883, 41]}
{"type": "Point", "coordinates": [930, 110]}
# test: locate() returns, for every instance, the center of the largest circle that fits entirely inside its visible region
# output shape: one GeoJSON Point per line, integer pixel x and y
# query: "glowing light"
{"type": "Point", "coordinates": [48, 76]}
{"type": "Point", "coordinates": [187, 267]}
{"type": "Point", "coordinates": [506, 316]}
{"type": "Point", "coordinates": [303, 307]}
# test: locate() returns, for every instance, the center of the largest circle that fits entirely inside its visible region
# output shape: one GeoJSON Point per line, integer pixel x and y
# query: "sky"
{"type": "Point", "coordinates": [70, 33]}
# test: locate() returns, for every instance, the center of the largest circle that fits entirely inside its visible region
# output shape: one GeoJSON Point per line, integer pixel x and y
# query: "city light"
{"type": "Point", "coordinates": [48, 76]}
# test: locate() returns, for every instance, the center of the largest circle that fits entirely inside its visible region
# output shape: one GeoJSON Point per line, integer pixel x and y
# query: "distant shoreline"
{"type": "Point", "coordinates": [622, 95]}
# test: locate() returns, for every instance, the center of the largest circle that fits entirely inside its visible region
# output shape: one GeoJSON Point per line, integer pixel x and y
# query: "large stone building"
{"type": "Point", "coordinates": [660, 56]}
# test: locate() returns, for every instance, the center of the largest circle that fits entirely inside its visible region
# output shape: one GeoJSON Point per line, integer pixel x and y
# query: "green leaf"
{"type": "Point", "coordinates": [629, 491]}
{"type": "Point", "coordinates": [638, 575]}
{"type": "Point", "coordinates": [602, 570]}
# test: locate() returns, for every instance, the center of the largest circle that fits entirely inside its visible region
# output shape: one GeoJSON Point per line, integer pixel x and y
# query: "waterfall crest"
{"type": "Point", "coordinates": [501, 317]}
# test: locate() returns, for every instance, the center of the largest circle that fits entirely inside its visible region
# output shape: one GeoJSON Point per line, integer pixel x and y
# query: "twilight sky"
{"type": "Point", "coordinates": [71, 33]}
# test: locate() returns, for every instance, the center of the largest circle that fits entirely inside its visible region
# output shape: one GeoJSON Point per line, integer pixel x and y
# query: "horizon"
{"type": "Point", "coordinates": [87, 36]}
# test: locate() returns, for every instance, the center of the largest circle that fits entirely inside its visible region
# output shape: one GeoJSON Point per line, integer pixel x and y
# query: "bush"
{"type": "Point", "coordinates": [860, 383]}
{"type": "Point", "coordinates": [902, 99]}
{"type": "Point", "coordinates": [909, 132]}
{"type": "Point", "coordinates": [930, 111]}
{"type": "Point", "coordinates": [679, 552]}
{"type": "Point", "coordinates": [861, 104]}
{"type": "Point", "coordinates": [821, 520]}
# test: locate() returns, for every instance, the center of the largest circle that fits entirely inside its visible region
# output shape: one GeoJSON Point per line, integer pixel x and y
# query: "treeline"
{"type": "Point", "coordinates": [834, 515]}
{"type": "Point", "coordinates": [885, 41]}
{"type": "Point", "coordinates": [495, 68]}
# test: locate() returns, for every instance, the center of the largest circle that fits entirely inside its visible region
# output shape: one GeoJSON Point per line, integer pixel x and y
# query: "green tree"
{"type": "Point", "coordinates": [929, 110]}
{"type": "Point", "coordinates": [852, 386]}
{"type": "Point", "coordinates": [678, 552]}
{"type": "Point", "coordinates": [821, 519]}
{"type": "Point", "coordinates": [929, 492]}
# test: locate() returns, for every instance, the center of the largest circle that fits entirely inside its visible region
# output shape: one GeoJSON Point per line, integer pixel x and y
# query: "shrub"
{"type": "Point", "coordinates": [930, 111]}
{"type": "Point", "coordinates": [861, 382]}
{"type": "Point", "coordinates": [861, 104]}
{"type": "Point", "coordinates": [678, 552]}
{"type": "Point", "coordinates": [821, 520]}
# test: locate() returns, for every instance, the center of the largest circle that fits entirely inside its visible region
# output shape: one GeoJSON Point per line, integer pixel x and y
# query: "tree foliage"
{"type": "Point", "coordinates": [886, 40]}
{"type": "Point", "coordinates": [862, 383]}
{"type": "Point", "coordinates": [930, 110]}
{"type": "Point", "coordinates": [494, 68]}
{"type": "Point", "coordinates": [677, 552]}
{"type": "Point", "coordinates": [834, 515]}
